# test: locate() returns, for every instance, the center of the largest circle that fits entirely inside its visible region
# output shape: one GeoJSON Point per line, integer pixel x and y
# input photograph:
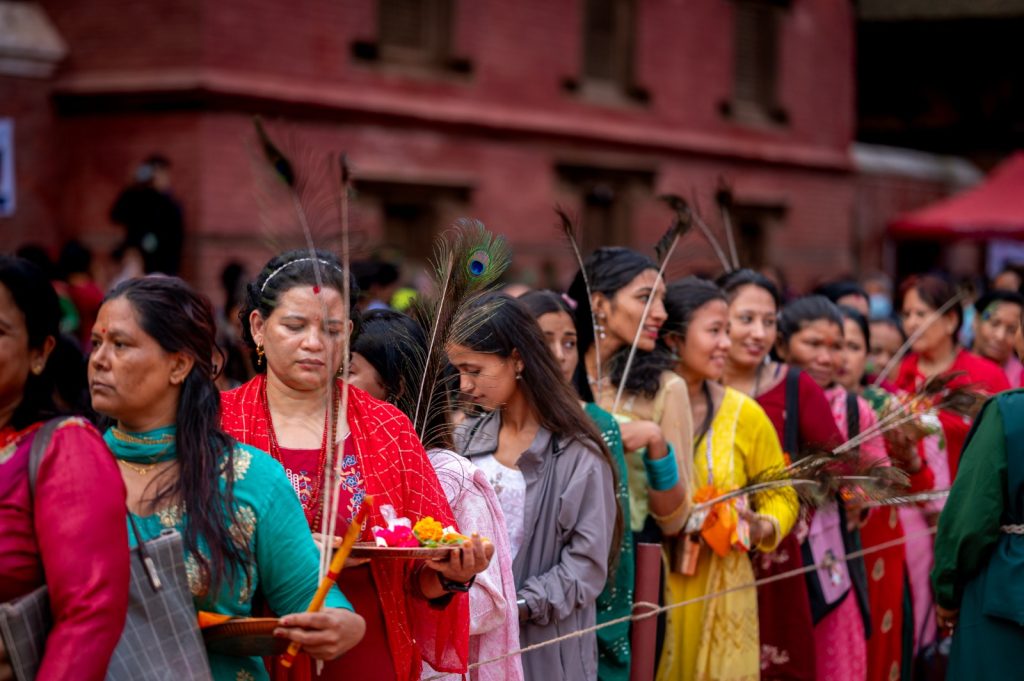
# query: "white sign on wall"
{"type": "Point", "coordinates": [7, 200]}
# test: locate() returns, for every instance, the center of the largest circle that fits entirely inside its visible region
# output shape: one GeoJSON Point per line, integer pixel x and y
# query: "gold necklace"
{"type": "Point", "coordinates": [141, 470]}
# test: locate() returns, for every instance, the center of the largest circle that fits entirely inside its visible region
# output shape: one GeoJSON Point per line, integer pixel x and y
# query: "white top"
{"type": "Point", "coordinates": [510, 487]}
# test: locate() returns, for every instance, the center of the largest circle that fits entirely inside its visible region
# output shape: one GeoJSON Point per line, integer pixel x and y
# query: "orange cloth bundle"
{"type": "Point", "coordinates": [723, 528]}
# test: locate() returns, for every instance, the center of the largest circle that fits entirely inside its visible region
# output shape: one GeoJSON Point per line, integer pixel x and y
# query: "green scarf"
{"type": "Point", "coordinates": [150, 447]}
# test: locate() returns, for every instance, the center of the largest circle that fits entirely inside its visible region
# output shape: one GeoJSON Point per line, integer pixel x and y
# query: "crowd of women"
{"type": "Point", "coordinates": [571, 428]}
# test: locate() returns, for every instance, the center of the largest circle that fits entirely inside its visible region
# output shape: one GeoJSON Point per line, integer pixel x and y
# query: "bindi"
{"type": "Point", "coordinates": [316, 290]}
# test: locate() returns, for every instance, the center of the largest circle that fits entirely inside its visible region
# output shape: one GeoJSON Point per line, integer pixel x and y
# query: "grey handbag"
{"type": "Point", "coordinates": [161, 637]}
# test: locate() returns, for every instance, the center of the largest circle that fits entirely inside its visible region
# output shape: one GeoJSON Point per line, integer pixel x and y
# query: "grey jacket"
{"type": "Point", "coordinates": [562, 565]}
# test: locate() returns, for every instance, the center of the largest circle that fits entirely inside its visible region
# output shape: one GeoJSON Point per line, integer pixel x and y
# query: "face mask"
{"type": "Point", "coordinates": [879, 305]}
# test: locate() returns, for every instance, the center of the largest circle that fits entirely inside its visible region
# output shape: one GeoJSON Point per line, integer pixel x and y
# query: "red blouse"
{"type": "Point", "coordinates": [978, 372]}
{"type": "Point", "coordinates": [817, 427]}
{"type": "Point", "coordinates": [73, 531]}
{"type": "Point", "coordinates": [395, 470]}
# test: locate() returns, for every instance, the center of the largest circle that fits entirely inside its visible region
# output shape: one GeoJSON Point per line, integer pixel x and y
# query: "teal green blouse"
{"type": "Point", "coordinates": [269, 520]}
{"type": "Point", "coordinates": [617, 598]}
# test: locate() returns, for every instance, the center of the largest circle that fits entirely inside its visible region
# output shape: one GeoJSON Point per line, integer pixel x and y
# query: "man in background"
{"type": "Point", "coordinates": [152, 217]}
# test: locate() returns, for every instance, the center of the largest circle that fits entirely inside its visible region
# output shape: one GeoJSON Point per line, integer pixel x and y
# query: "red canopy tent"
{"type": "Point", "coordinates": [992, 210]}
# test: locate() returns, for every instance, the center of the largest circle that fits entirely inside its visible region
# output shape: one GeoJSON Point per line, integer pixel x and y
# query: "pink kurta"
{"type": "Point", "coordinates": [839, 638]}
{"type": "Point", "coordinates": [493, 615]}
{"type": "Point", "coordinates": [72, 530]}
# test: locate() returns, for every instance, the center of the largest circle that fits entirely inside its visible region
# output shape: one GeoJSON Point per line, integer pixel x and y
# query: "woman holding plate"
{"type": "Point", "coordinates": [296, 320]}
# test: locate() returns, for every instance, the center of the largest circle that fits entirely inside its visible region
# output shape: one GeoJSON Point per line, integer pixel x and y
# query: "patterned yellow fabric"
{"type": "Point", "coordinates": [718, 638]}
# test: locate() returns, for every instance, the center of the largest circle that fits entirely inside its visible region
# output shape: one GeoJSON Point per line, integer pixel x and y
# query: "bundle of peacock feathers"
{"type": "Point", "coordinates": [294, 193]}
{"type": "Point", "coordinates": [468, 263]}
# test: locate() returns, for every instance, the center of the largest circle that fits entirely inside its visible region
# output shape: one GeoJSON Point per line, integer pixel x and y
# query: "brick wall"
{"type": "Point", "coordinates": [183, 77]}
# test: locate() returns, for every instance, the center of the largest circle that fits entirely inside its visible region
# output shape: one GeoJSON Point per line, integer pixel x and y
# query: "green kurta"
{"type": "Point", "coordinates": [269, 521]}
{"type": "Point", "coordinates": [978, 567]}
{"type": "Point", "coordinates": [616, 600]}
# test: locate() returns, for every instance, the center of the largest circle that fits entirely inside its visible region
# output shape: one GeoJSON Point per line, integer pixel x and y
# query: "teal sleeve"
{"type": "Point", "coordinates": [286, 556]}
{"type": "Point", "coordinates": [969, 524]}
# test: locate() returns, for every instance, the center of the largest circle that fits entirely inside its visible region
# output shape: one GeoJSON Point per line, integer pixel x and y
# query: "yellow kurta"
{"type": "Point", "coordinates": [718, 638]}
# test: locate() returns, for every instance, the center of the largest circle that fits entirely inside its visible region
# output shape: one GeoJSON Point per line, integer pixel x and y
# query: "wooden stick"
{"type": "Point", "coordinates": [354, 530]}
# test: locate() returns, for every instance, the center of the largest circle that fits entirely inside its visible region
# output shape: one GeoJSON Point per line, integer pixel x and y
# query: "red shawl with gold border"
{"type": "Point", "coordinates": [396, 471]}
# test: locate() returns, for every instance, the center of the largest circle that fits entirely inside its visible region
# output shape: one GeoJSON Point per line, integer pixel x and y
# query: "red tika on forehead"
{"type": "Point", "coordinates": [316, 290]}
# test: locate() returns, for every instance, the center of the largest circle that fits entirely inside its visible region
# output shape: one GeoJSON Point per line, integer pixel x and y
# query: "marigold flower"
{"type": "Point", "coordinates": [428, 530]}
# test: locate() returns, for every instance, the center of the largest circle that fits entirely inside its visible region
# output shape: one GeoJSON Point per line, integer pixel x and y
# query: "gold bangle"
{"type": "Point", "coordinates": [680, 512]}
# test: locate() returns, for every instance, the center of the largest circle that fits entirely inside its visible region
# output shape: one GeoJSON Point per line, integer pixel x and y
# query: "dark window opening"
{"type": "Point", "coordinates": [609, 35]}
{"type": "Point", "coordinates": [413, 215]}
{"type": "Point", "coordinates": [756, 62]}
{"type": "Point", "coordinates": [753, 225]}
{"type": "Point", "coordinates": [414, 33]}
{"type": "Point", "coordinates": [606, 199]}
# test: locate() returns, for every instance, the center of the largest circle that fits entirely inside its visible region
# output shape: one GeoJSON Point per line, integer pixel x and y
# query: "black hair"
{"type": "Point", "coordinates": [396, 346]}
{"type": "Point", "coordinates": [38, 256]}
{"type": "Point", "coordinates": [374, 273]}
{"type": "Point", "coordinates": [283, 273]}
{"type": "Point", "coordinates": [181, 320]}
{"type": "Point", "coordinates": [33, 295]}
{"type": "Point", "coordinates": [231, 280]}
{"type": "Point", "coordinates": [509, 327]}
{"type": "Point", "coordinates": [890, 321]}
{"type": "Point", "coordinates": [854, 315]}
{"type": "Point", "coordinates": [934, 291]}
{"type": "Point", "coordinates": [834, 290]}
{"type": "Point", "coordinates": [610, 269]}
{"type": "Point", "coordinates": [803, 311]}
{"type": "Point", "coordinates": [683, 298]}
{"type": "Point", "coordinates": [998, 296]}
{"type": "Point", "coordinates": [71, 392]}
{"type": "Point", "coordinates": [545, 301]}
{"type": "Point", "coordinates": [732, 282]}
{"type": "Point", "coordinates": [74, 259]}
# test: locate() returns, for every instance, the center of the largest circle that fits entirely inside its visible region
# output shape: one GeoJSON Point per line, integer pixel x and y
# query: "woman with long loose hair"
{"type": "Point", "coordinates": [151, 372]}
{"type": "Point", "coordinates": [554, 478]}
{"type": "Point", "coordinates": [608, 316]}
{"type": "Point", "coordinates": [734, 442]}
{"type": "Point", "coordinates": [296, 320]}
{"type": "Point", "coordinates": [554, 315]}
{"type": "Point", "coordinates": [68, 532]}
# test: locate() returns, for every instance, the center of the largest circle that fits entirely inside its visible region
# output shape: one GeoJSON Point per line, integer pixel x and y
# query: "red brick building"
{"type": "Point", "coordinates": [485, 108]}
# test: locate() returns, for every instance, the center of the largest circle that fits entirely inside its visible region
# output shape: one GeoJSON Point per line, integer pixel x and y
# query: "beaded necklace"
{"type": "Point", "coordinates": [313, 508]}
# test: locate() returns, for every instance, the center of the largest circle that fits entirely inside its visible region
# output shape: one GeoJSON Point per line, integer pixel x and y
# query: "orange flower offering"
{"type": "Point", "coordinates": [428, 530]}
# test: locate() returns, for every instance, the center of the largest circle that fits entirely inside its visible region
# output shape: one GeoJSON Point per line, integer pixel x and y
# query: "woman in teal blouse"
{"type": "Point", "coordinates": [979, 550]}
{"type": "Point", "coordinates": [151, 370]}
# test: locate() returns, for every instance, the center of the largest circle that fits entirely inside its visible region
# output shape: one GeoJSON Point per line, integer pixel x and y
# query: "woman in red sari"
{"type": "Point", "coordinates": [64, 528]}
{"type": "Point", "coordinates": [295, 319]}
{"type": "Point", "coordinates": [936, 352]}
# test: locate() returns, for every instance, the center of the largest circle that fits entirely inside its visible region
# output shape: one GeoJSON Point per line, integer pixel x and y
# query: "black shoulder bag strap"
{"type": "Point", "coordinates": [791, 413]}
{"type": "Point", "coordinates": [851, 539]}
{"type": "Point", "coordinates": [38, 449]}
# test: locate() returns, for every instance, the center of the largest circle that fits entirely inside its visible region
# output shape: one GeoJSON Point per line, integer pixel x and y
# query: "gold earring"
{"type": "Point", "coordinates": [37, 370]}
{"type": "Point", "coordinates": [259, 354]}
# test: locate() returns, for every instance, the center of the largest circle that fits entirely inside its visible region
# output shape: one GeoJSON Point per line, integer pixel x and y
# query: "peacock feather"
{"type": "Point", "coordinates": [468, 263]}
